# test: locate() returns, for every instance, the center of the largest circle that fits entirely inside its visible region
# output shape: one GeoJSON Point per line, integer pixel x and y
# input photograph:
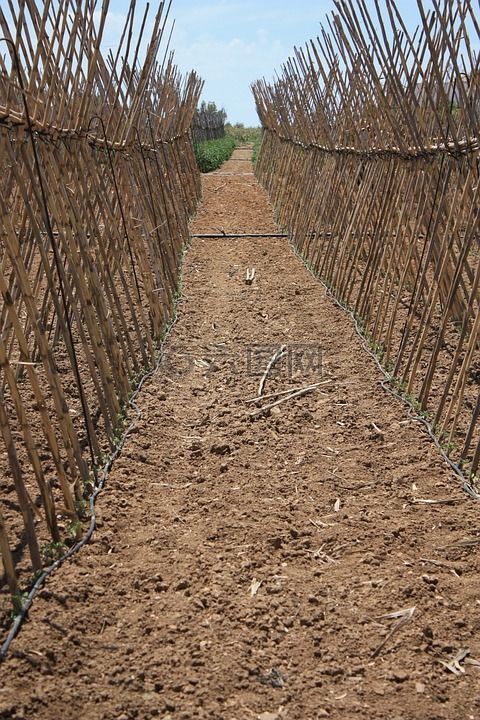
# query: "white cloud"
{"type": "Point", "coordinates": [231, 44]}
{"type": "Point", "coordinates": [114, 24]}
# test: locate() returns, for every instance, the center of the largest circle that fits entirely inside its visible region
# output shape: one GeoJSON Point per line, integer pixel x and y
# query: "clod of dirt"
{"type": "Point", "coordinates": [220, 449]}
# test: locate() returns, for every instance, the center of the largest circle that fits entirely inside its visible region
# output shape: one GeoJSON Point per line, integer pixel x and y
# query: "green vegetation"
{"type": "Point", "coordinates": [242, 134]}
{"type": "Point", "coordinates": [52, 551]}
{"type": "Point", "coordinates": [256, 149]}
{"type": "Point", "coordinates": [18, 601]}
{"type": "Point", "coordinates": [210, 154]}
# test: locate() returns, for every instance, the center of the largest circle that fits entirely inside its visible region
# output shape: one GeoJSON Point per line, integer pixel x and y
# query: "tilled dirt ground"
{"type": "Point", "coordinates": [316, 560]}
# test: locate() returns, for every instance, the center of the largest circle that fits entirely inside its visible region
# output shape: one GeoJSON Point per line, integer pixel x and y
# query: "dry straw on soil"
{"type": "Point", "coordinates": [371, 158]}
{"type": "Point", "coordinates": [97, 184]}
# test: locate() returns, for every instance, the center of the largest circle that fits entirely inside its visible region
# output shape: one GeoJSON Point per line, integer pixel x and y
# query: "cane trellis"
{"type": "Point", "coordinates": [97, 184]}
{"type": "Point", "coordinates": [208, 124]}
{"type": "Point", "coordinates": [371, 158]}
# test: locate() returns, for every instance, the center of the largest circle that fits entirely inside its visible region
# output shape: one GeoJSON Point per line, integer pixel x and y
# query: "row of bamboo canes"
{"type": "Point", "coordinates": [98, 182]}
{"type": "Point", "coordinates": [371, 158]}
{"type": "Point", "coordinates": [208, 124]}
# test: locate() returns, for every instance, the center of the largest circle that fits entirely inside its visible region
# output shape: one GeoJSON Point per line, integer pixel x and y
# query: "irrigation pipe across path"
{"type": "Point", "coordinates": [232, 236]}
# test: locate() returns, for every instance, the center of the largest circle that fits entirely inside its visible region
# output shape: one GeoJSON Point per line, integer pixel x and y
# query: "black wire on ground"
{"type": "Point", "coordinates": [240, 235]}
{"type": "Point", "coordinates": [466, 485]}
{"type": "Point", "coordinates": [27, 601]}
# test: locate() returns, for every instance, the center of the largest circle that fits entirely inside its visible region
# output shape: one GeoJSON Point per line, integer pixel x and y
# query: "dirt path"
{"type": "Point", "coordinates": [244, 567]}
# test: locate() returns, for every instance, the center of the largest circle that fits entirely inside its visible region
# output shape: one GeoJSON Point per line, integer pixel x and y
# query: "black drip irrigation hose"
{"type": "Point", "coordinates": [214, 172]}
{"type": "Point", "coordinates": [27, 601]}
{"type": "Point", "coordinates": [241, 235]}
{"type": "Point", "coordinates": [466, 485]}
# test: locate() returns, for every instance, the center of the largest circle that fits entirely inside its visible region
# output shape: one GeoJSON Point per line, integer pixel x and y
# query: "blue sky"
{"type": "Point", "coordinates": [231, 44]}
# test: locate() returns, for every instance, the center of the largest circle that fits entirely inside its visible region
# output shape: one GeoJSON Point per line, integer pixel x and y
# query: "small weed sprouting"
{"type": "Point", "coordinates": [90, 484]}
{"type": "Point", "coordinates": [74, 530]}
{"type": "Point", "coordinates": [474, 481]}
{"type": "Point", "coordinates": [448, 445]}
{"type": "Point", "coordinates": [52, 551]}
{"type": "Point", "coordinates": [18, 603]}
{"type": "Point", "coordinates": [81, 507]}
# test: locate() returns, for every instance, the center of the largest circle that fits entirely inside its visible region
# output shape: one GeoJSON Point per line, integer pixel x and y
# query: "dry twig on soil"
{"type": "Point", "coordinates": [284, 392]}
{"type": "Point", "coordinates": [404, 616]}
{"type": "Point", "coordinates": [299, 393]}
{"type": "Point", "coordinates": [438, 563]}
{"type": "Point", "coordinates": [274, 359]}
{"type": "Point", "coordinates": [454, 665]}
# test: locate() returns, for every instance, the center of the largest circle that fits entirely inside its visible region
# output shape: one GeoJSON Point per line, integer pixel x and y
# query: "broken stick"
{"type": "Point", "coordinates": [404, 616]}
{"type": "Point", "coordinates": [276, 357]}
{"type": "Point", "coordinates": [303, 391]}
{"type": "Point", "coordinates": [284, 392]}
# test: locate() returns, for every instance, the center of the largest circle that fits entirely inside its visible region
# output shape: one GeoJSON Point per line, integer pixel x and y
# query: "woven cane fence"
{"type": "Point", "coordinates": [371, 158]}
{"type": "Point", "coordinates": [208, 124]}
{"type": "Point", "coordinates": [97, 184]}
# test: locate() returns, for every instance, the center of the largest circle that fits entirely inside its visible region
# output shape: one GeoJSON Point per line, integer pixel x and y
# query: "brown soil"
{"type": "Point", "coordinates": [246, 567]}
